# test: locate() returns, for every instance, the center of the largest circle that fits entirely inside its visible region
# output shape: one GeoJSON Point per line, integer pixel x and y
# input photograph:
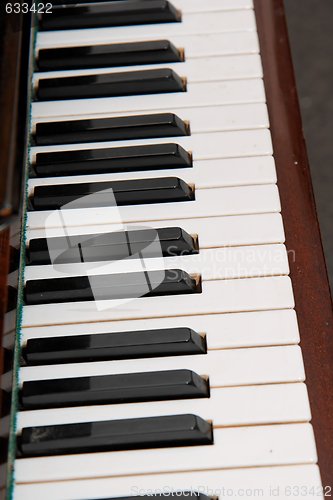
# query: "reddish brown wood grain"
{"type": "Point", "coordinates": [307, 265]}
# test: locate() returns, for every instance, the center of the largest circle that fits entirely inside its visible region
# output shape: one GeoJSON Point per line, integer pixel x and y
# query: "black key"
{"type": "Point", "coordinates": [149, 81]}
{"type": "Point", "coordinates": [123, 159]}
{"type": "Point", "coordinates": [109, 389]}
{"type": "Point", "coordinates": [151, 432]}
{"type": "Point", "coordinates": [107, 194]}
{"type": "Point", "coordinates": [110, 286]}
{"type": "Point", "coordinates": [96, 15]}
{"type": "Point", "coordinates": [111, 246]}
{"type": "Point", "coordinates": [116, 54]}
{"type": "Point", "coordinates": [111, 129]}
{"type": "Point", "coordinates": [109, 346]}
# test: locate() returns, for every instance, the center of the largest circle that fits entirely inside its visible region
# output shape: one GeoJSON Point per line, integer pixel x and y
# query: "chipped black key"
{"type": "Point", "coordinates": [111, 129]}
{"type": "Point", "coordinates": [113, 193]}
{"type": "Point", "coordinates": [115, 345]}
{"type": "Point", "coordinates": [169, 241]}
{"type": "Point", "coordinates": [108, 160]}
{"type": "Point", "coordinates": [149, 81]}
{"type": "Point", "coordinates": [116, 54]}
{"type": "Point", "coordinates": [110, 286]}
{"type": "Point", "coordinates": [136, 433]}
{"type": "Point", "coordinates": [109, 389]}
{"type": "Point", "coordinates": [96, 15]}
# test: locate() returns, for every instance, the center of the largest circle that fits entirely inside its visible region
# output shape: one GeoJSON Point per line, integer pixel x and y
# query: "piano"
{"type": "Point", "coordinates": [165, 311]}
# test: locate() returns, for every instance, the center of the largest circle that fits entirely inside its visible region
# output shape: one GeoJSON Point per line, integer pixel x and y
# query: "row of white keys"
{"type": "Point", "coordinates": [217, 68]}
{"type": "Point", "coordinates": [203, 174]}
{"type": "Point", "coordinates": [224, 367]}
{"type": "Point", "coordinates": [221, 331]}
{"type": "Point", "coordinates": [213, 202]}
{"type": "Point", "coordinates": [248, 405]}
{"type": "Point", "coordinates": [211, 44]}
{"type": "Point", "coordinates": [210, 264]}
{"type": "Point", "coordinates": [202, 146]}
{"type": "Point", "coordinates": [196, 95]}
{"type": "Point", "coordinates": [253, 446]}
{"type": "Point", "coordinates": [199, 23]}
{"type": "Point", "coordinates": [211, 232]}
{"type": "Point", "coordinates": [220, 296]}
{"type": "Point", "coordinates": [212, 119]}
{"type": "Point", "coordinates": [264, 482]}
{"type": "Point", "coordinates": [211, 5]}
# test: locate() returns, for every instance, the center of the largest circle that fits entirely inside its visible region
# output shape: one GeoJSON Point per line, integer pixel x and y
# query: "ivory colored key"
{"type": "Point", "coordinates": [220, 331]}
{"type": "Point", "coordinates": [254, 446]}
{"type": "Point", "coordinates": [281, 480]}
{"type": "Point", "coordinates": [212, 44]}
{"type": "Point", "coordinates": [219, 296]}
{"type": "Point", "coordinates": [195, 70]}
{"type": "Point", "coordinates": [199, 23]}
{"type": "Point", "coordinates": [196, 95]}
{"type": "Point", "coordinates": [228, 406]}
{"type": "Point", "coordinates": [207, 203]}
{"type": "Point", "coordinates": [262, 365]}
{"type": "Point", "coordinates": [211, 264]}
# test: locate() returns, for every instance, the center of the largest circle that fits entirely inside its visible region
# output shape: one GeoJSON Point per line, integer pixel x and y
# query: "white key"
{"type": "Point", "coordinates": [197, 95]}
{"type": "Point", "coordinates": [211, 44]}
{"type": "Point", "coordinates": [233, 231]}
{"type": "Point", "coordinates": [204, 174]}
{"type": "Point", "coordinates": [199, 23]}
{"type": "Point", "coordinates": [201, 120]}
{"type": "Point", "coordinates": [249, 405]}
{"type": "Point", "coordinates": [203, 146]}
{"type": "Point", "coordinates": [209, 69]}
{"type": "Point", "coordinates": [233, 447]}
{"type": "Point", "coordinates": [222, 331]}
{"type": "Point", "coordinates": [220, 296]}
{"type": "Point", "coordinates": [211, 264]}
{"type": "Point", "coordinates": [225, 367]}
{"type": "Point", "coordinates": [211, 5]}
{"type": "Point", "coordinates": [262, 482]}
{"type": "Point", "coordinates": [208, 203]}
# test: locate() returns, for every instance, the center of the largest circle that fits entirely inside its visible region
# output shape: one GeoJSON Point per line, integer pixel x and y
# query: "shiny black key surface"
{"type": "Point", "coordinates": [112, 55]}
{"type": "Point", "coordinates": [109, 160]}
{"type": "Point", "coordinates": [97, 15]}
{"type": "Point", "coordinates": [111, 129]}
{"type": "Point", "coordinates": [114, 193]}
{"type": "Point", "coordinates": [149, 81]}
{"type": "Point", "coordinates": [113, 389]}
{"type": "Point", "coordinates": [115, 345]}
{"type": "Point", "coordinates": [136, 433]}
{"type": "Point", "coordinates": [116, 245]}
{"type": "Point", "coordinates": [110, 286]}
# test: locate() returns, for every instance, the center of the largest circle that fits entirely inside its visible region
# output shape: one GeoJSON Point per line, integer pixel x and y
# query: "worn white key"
{"type": "Point", "coordinates": [252, 446]}
{"type": "Point", "coordinates": [196, 95]}
{"type": "Point", "coordinates": [225, 367]}
{"type": "Point", "coordinates": [211, 264]}
{"type": "Point", "coordinates": [202, 120]}
{"type": "Point", "coordinates": [199, 23]}
{"type": "Point", "coordinates": [212, 69]}
{"type": "Point", "coordinates": [221, 331]}
{"type": "Point", "coordinates": [211, 44]}
{"type": "Point", "coordinates": [220, 296]}
{"type": "Point", "coordinates": [203, 174]}
{"type": "Point", "coordinates": [208, 203]}
{"type": "Point", "coordinates": [262, 482]}
{"type": "Point", "coordinates": [203, 146]}
{"type": "Point", "coordinates": [249, 405]}
{"type": "Point", "coordinates": [233, 231]}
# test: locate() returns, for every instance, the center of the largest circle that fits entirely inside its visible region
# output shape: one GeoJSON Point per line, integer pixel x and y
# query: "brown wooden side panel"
{"type": "Point", "coordinates": [308, 271]}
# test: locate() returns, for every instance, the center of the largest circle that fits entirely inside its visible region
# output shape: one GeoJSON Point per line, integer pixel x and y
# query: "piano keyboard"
{"type": "Point", "coordinates": [159, 338]}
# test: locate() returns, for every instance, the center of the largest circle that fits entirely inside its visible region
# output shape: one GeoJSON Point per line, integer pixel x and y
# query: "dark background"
{"type": "Point", "coordinates": [310, 24]}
